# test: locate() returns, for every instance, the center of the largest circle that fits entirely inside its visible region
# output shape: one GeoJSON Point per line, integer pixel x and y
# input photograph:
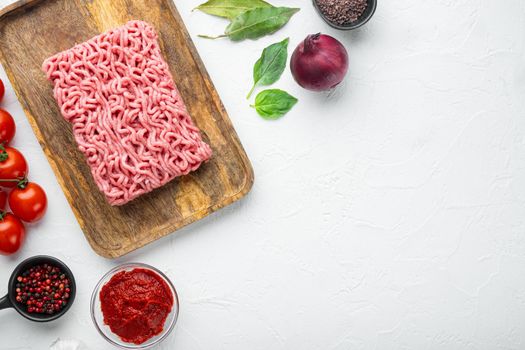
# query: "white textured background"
{"type": "Point", "coordinates": [388, 216]}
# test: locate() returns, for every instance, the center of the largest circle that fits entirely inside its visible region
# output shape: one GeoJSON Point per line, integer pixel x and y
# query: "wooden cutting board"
{"type": "Point", "coordinates": [32, 30]}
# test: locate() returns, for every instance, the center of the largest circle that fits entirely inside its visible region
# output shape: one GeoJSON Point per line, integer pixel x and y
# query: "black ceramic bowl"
{"type": "Point", "coordinates": [9, 300]}
{"type": "Point", "coordinates": [365, 17]}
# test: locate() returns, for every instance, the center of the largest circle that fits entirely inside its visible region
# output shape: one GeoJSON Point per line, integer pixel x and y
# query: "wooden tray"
{"type": "Point", "coordinates": [32, 30]}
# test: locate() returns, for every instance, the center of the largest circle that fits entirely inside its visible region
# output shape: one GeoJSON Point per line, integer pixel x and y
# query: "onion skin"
{"type": "Point", "coordinates": [319, 63]}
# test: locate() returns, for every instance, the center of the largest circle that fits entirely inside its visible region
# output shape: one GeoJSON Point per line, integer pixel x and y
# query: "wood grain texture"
{"type": "Point", "coordinates": [32, 30]}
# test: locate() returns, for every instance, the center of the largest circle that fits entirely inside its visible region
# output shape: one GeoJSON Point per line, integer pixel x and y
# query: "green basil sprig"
{"type": "Point", "coordinates": [256, 23]}
{"type": "Point", "coordinates": [269, 68]}
{"type": "Point", "coordinates": [230, 8]}
{"type": "Point", "coordinates": [273, 103]}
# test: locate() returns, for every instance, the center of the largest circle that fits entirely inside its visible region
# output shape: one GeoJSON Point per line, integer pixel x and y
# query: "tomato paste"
{"type": "Point", "coordinates": [135, 304]}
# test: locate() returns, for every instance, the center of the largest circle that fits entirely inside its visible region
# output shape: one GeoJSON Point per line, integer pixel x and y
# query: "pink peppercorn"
{"type": "Point", "coordinates": [43, 289]}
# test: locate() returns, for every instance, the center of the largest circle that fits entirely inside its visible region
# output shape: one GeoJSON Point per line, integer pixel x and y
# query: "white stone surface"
{"type": "Point", "coordinates": [390, 215]}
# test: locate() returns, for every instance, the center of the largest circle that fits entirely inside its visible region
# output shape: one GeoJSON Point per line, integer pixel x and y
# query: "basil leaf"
{"type": "Point", "coordinates": [256, 23]}
{"type": "Point", "coordinates": [230, 8]}
{"type": "Point", "coordinates": [269, 68]}
{"type": "Point", "coordinates": [274, 103]}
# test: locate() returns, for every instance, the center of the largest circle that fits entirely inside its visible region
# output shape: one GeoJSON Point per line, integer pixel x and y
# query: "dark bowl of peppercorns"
{"type": "Point", "coordinates": [41, 289]}
{"type": "Point", "coordinates": [345, 14]}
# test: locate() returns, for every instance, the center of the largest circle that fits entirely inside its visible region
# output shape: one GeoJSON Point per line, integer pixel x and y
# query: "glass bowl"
{"type": "Point", "coordinates": [105, 331]}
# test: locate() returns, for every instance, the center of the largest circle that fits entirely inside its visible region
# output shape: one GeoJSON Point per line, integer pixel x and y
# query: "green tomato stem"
{"type": "Point", "coordinates": [3, 153]}
{"type": "Point", "coordinates": [20, 182]}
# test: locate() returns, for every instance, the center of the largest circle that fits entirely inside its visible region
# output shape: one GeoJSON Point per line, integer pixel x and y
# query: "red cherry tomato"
{"type": "Point", "coordinates": [2, 90]}
{"type": "Point", "coordinates": [12, 234]}
{"type": "Point", "coordinates": [13, 165]}
{"type": "Point", "coordinates": [7, 127]}
{"type": "Point", "coordinates": [28, 203]}
{"type": "Point", "coordinates": [3, 199]}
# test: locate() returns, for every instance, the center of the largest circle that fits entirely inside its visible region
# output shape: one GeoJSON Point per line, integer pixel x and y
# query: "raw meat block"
{"type": "Point", "coordinates": [127, 115]}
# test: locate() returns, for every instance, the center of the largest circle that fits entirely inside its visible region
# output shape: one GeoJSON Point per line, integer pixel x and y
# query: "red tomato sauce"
{"type": "Point", "coordinates": [135, 304]}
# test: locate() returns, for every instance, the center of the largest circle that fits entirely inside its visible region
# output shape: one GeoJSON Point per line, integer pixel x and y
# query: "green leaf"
{"type": "Point", "coordinates": [269, 68]}
{"type": "Point", "coordinates": [230, 8]}
{"type": "Point", "coordinates": [259, 22]}
{"type": "Point", "coordinates": [274, 103]}
{"type": "Point", "coordinates": [256, 23]}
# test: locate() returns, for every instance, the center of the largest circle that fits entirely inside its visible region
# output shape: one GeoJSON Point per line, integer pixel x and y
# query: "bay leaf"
{"type": "Point", "coordinates": [256, 23]}
{"type": "Point", "coordinates": [230, 8]}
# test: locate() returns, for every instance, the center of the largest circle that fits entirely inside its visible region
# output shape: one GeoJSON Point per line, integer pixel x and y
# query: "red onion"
{"type": "Point", "coordinates": [319, 63]}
